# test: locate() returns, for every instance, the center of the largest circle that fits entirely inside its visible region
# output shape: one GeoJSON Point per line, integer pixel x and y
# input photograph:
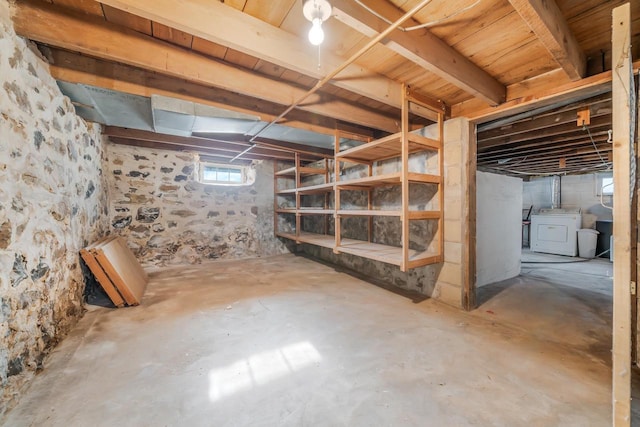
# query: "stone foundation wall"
{"type": "Point", "coordinates": [52, 203]}
{"type": "Point", "coordinates": [168, 217]}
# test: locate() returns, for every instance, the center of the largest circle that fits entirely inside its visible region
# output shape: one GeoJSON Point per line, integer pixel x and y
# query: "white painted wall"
{"type": "Point", "coordinates": [577, 191]}
{"type": "Point", "coordinates": [498, 227]}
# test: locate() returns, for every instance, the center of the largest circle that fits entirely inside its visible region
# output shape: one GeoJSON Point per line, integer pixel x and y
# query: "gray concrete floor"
{"type": "Point", "coordinates": [286, 341]}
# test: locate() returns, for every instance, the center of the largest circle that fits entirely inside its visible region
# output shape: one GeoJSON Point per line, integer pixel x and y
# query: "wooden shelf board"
{"type": "Point", "coordinates": [304, 170]}
{"type": "Point", "coordinates": [291, 236]}
{"type": "Point", "coordinates": [371, 181]}
{"type": "Point", "coordinates": [426, 143]}
{"type": "Point", "coordinates": [421, 215]}
{"type": "Point", "coordinates": [387, 179]}
{"type": "Point", "coordinates": [320, 188]}
{"type": "Point", "coordinates": [368, 212]}
{"type": "Point", "coordinates": [324, 240]}
{"type": "Point", "coordinates": [287, 191]}
{"type": "Point", "coordinates": [374, 251]}
{"type": "Point", "coordinates": [315, 211]}
{"type": "Point", "coordinates": [424, 178]}
{"type": "Point", "coordinates": [413, 215]}
{"type": "Point", "coordinates": [384, 253]}
{"type": "Point", "coordinates": [287, 172]}
{"type": "Point", "coordinates": [387, 147]}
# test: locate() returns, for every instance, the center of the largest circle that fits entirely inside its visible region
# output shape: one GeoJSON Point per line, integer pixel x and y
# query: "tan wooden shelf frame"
{"type": "Point", "coordinates": [399, 145]}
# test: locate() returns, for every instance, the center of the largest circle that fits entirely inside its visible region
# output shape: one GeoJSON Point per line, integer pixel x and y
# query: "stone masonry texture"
{"type": "Point", "coordinates": [168, 217]}
{"type": "Point", "coordinates": [52, 203]}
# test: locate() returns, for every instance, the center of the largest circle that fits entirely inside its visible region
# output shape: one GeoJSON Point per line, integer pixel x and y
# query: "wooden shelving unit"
{"type": "Point", "coordinates": [399, 145]}
{"type": "Point", "coordinates": [296, 173]}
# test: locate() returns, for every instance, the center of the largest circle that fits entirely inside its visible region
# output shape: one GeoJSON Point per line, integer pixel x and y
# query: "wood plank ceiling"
{"type": "Point", "coordinates": [476, 56]}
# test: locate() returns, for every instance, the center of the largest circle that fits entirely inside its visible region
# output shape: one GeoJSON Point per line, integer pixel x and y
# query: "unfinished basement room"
{"type": "Point", "coordinates": [319, 213]}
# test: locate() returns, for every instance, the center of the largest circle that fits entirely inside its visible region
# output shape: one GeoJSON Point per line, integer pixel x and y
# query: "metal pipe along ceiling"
{"type": "Point", "coordinates": [340, 68]}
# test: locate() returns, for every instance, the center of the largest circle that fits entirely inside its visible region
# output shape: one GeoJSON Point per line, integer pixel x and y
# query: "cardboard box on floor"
{"type": "Point", "coordinates": [117, 270]}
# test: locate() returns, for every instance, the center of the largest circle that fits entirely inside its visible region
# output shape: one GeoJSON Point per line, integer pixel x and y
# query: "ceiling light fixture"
{"type": "Point", "coordinates": [316, 12]}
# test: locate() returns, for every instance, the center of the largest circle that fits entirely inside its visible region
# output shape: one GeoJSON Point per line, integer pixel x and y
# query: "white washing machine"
{"type": "Point", "coordinates": [555, 231]}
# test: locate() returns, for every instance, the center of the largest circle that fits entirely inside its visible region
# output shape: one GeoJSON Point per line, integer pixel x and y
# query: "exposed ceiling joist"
{"type": "Point", "coordinates": [421, 47]}
{"type": "Point", "coordinates": [266, 142]}
{"type": "Point", "coordinates": [215, 155]}
{"type": "Point", "coordinates": [598, 124]}
{"type": "Point", "coordinates": [568, 118]}
{"type": "Point", "coordinates": [582, 146]}
{"type": "Point", "coordinates": [45, 23]}
{"type": "Point", "coordinates": [552, 162]}
{"type": "Point", "coordinates": [222, 24]}
{"type": "Point", "coordinates": [546, 20]}
{"type": "Point", "coordinates": [220, 149]}
{"type": "Point", "coordinates": [220, 140]}
{"type": "Point", "coordinates": [551, 88]}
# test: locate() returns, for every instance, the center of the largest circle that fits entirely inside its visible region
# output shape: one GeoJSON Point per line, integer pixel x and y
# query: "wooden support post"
{"type": "Point", "coordinates": [298, 219]}
{"type": "Point", "coordinates": [369, 207]}
{"type": "Point", "coordinates": [622, 84]}
{"type": "Point", "coordinates": [404, 168]}
{"type": "Point", "coordinates": [275, 197]}
{"type": "Point", "coordinates": [336, 224]}
{"type": "Point", "coordinates": [441, 185]}
{"type": "Point", "coordinates": [469, 237]}
{"type": "Point", "coordinates": [327, 179]}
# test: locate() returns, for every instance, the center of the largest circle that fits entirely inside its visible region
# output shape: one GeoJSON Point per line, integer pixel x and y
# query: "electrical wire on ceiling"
{"type": "Point", "coordinates": [608, 165]}
{"type": "Point", "coordinates": [420, 26]}
{"type": "Point", "coordinates": [502, 162]}
{"type": "Point", "coordinates": [375, 40]}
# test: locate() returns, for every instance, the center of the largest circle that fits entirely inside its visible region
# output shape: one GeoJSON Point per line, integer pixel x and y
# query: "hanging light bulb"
{"type": "Point", "coordinates": [316, 11]}
{"type": "Point", "coordinates": [316, 35]}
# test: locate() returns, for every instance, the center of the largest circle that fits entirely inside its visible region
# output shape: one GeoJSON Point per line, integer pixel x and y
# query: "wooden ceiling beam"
{"type": "Point", "coordinates": [219, 23]}
{"type": "Point", "coordinates": [421, 47]}
{"type": "Point", "coordinates": [547, 89]}
{"type": "Point", "coordinates": [547, 22]}
{"type": "Point", "coordinates": [92, 36]}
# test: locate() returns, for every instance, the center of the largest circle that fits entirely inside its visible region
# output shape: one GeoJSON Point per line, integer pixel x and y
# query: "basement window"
{"type": "Point", "coordinates": [607, 186]}
{"type": "Point", "coordinates": [604, 184]}
{"type": "Point", "coordinates": [215, 174]}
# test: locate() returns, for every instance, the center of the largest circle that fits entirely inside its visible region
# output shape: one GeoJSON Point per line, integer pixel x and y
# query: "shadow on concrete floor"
{"type": "Point", "coordinates": [568, 303]}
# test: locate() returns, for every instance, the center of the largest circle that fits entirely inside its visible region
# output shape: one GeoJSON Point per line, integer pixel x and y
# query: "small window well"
{"type": "Point", "coordinates": [607, 186]}
{"type": "Point", "coordinates": [211, 173]}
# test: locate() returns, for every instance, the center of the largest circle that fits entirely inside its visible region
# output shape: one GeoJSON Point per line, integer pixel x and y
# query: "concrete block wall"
{"type": "Point", "coordinates": [499, 227]}
{"type": "Point", "coordinates": [168, 217]}
{"type": "Point", "coordinates": [576, 191]}
{"type": "Point", "coordinates": [440, 281]}
{"type": "Point", "coordinates": [52, 203]}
